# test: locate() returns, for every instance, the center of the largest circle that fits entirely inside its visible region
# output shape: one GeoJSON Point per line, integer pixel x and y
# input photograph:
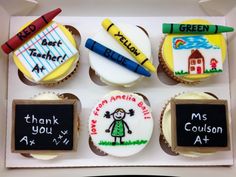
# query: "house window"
{"type": "Point", "coordinates": [192, 68]}
{"type": "Point", "coordinates": [193, 62]}
{"type": "Point", "coordinates": [199, 61]}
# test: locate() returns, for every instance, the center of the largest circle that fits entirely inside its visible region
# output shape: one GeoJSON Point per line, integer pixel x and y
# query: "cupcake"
{"type": "Point", "coordinates": [44, 135]}
{"type": "Point", "coordinates": [49, 56]}
{"type": "Point", "coordinates": [195, 124]}
{"type": "Point", "coordinates": [111, 73]}
{"type": "Point", "coordinates": [191, 58]}
{"type": "Point", "coordinates": [121, 124]}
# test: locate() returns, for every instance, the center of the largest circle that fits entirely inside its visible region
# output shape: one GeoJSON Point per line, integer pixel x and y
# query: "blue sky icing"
{"type": "Point", "coordinates": [193, 42]}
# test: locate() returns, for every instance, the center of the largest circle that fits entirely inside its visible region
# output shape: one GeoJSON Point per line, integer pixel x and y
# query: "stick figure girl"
{"type": "Point", "coordinates": [117, 127]}
{"type": "Point", "coordinates": [213, 63]}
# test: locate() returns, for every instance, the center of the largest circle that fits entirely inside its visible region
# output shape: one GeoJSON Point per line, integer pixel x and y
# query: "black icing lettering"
{"type": "Point", "coordinates": [182, 27]}
{"type": "Point", "coordinates": [38, 69]}
{"type": "Point", "coordinates": [26, 32]}
{"type": "Point", "coordinates": [47, 56]}
{"type": "Point", "coordinates": [206, 28]}
{"type": "Point", "coordinates": [45, 42]}
{"type": "Point", "coordinates": [193, 28]}
{"type": "Point", "coordinates": [32, 27]}
{"type": "Point", "coordinates": [188, 28]}
{"type": "Point", "coordinates": [127, 44]}
{"type": "Point", "coordinates": [107, 52]}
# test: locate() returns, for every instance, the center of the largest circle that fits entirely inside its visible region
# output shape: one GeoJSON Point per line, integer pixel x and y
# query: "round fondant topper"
{"type": "Point", "coordinates": [121, 124]}
{"type": "Point", "coordinates": [110, 72]}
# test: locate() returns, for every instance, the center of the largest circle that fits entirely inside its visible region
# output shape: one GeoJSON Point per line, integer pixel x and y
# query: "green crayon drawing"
{"type": "Point", "coordinates": [181, 72]}
{"type": "Point", "coordinates": [125, 143]}
{"type": "Point", "coordinates": [118, 126]}
{"type": "Point", "coordinates": [213, 71]}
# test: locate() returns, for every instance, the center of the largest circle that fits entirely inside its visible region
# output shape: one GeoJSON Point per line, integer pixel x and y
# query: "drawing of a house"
{"type": "Point", "coordinates": [196, 62]}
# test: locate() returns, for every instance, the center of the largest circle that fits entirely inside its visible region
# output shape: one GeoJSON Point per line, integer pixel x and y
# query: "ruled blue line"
{"type": "Point", "coordinates": [50, 49]}
{"type": "Point", "coordinates": [40, 51]}
{"type": "Point", "coordinates": [64, 43]}
{"type": "Point", "coordinates": [47, 48]}
{"type": "Point", "coordinates": [22, 54]}
{"type": "Point", "coordinates": [39, 57]}
{"type": "Point", "coordinates": [33, 58]}
{"type": "Point", "coordinates": [55, 47]}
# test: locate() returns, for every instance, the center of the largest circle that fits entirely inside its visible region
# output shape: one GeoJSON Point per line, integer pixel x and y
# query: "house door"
{"type": "Point", "coordinates": [199, 70]}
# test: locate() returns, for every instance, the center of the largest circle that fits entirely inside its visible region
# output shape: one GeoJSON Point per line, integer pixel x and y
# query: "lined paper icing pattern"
{"type": "Point", "coordinates": [45, 52]}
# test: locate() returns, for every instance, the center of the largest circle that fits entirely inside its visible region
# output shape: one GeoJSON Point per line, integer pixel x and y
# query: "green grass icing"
{"type": "Point", "coordinates": [126, 143]}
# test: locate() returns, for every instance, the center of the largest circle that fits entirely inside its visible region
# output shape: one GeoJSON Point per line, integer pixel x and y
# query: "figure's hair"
{"type": "Point", "coordinates": [119, 110]}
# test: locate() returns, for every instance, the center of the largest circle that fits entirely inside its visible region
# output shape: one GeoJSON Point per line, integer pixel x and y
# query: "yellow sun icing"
{"type": "Point", "coordinates": [60, 72]}
{"type": "Point", "coordinates": [168, 55]}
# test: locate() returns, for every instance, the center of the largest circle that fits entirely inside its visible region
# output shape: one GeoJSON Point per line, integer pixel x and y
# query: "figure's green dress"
{"type": "Point", "coordinates": [118, 129]}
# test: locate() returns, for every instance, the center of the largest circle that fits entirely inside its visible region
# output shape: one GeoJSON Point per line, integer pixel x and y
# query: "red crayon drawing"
{"type": "Point", "coordinates": [213, 63]}
{"type": "Point", "coordinates": [196, 62]}
{"type": "Point", "coordinates": [22, 36]}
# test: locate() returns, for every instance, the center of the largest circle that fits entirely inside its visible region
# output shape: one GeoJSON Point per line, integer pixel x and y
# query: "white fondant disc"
{"type": "Point", "coordinates": [121, 124]}
{"type": "Point", "coordinates": [112, 72]}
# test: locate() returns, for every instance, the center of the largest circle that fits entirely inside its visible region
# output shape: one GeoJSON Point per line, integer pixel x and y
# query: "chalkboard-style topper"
{"type": "Point", "coordinates": [200, 125]}
{"type": "Point", "coordinates": [44, 125]}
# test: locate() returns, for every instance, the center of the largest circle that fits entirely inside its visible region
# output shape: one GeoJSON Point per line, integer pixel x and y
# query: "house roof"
{"type": "Point", "coordinates": [196, 54]}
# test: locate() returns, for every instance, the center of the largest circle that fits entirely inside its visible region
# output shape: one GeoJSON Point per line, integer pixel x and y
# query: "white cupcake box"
{"type": "Point", "coordinates": [89, 93]}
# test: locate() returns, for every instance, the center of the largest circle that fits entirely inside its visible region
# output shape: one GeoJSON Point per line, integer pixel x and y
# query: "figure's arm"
{"type": "Point", "coordinates": [126, 125]}
{"type": "Point", "coordinates": [108, 130]}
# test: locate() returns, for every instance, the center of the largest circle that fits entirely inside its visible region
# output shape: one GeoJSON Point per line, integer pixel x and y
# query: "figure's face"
{"type": "Point", "coordinates": [119, 115]}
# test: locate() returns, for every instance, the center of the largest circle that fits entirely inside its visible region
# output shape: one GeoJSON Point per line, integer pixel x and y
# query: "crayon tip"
{"type": "Point", "coordinates": [141, 70]}
{"type": "Point", "coordinates": [229, 29]}
{"type": "Point", "coordinates": [57, 11]}
{"type": "Point", "coordinates": [150, 66]}
{"type": "Point", "coordinates": [53, 13]}
{"type": "Point", "coordinates": [146, 73]}
{"type": "Point", "coordinates": [223, 29]}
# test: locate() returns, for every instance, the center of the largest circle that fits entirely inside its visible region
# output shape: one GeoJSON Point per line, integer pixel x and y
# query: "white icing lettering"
{"type": "Point", "coordinates": [27, 119]}
{"type": "Point", "coordinates": [48, 121]}
{"type": "Point", "coordinates": [196, 116]}
{"type": "Point", "coordinates": [185, 127]}
{"type": "Point", "coordinates": [41, 130]}
{"type": "Point", "coordinates": [204, 117]}
{"type": "Point", "coordinates": [198, 140]}
{"type": "Point", "coordinates": [204, 128]}
{"type": "Point", "coordinates": [25, 139]}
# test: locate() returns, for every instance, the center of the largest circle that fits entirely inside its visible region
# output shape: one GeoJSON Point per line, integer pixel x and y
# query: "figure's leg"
{"type": "Point", "coordinates": [113, 143]}
{"type": "Point", "coordinates": [121, 142]}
